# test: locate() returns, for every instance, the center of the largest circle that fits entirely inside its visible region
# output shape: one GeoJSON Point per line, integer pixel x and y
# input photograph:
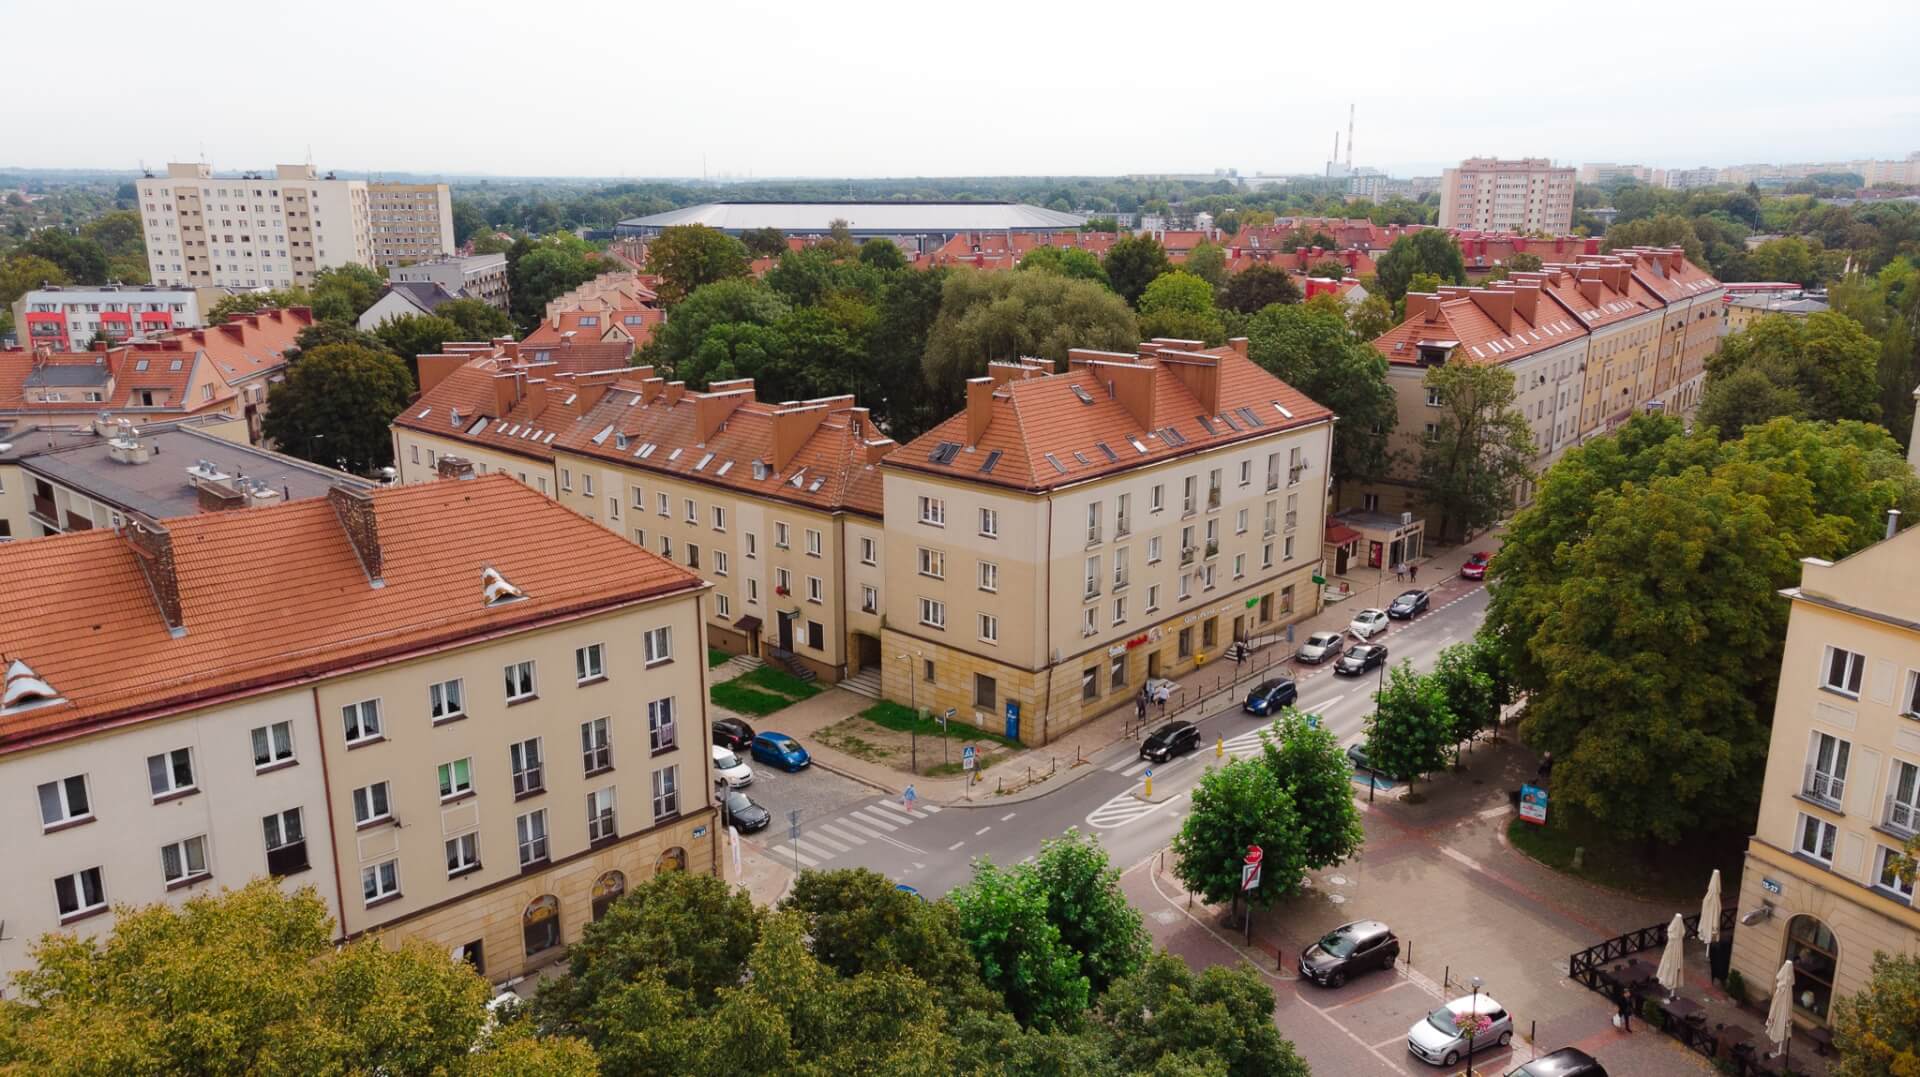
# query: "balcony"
{"type": "Point", "coordinates": [1093, 589]}
{"type": "Point", "coordinates": [1901, 818]}
{"type": "Point", "coordinates": [1823, 788]}
{"type": "Point", "coordinates": [1293, 520]}
{"type": "Point", "coordinates": [44, 509]}
{"type": "Point", "coordinates": [1188, 553]}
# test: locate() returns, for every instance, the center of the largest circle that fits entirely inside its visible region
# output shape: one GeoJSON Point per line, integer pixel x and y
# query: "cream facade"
{"type": "Point", "coordinates": [1491, 195]}
{"type": "Point", "coordinates": [417, 455]}
{"type": "Point", "coordinates": [1842, 788]}
{"type": "Point", "coordinates": [252, 232]}
{"type": "Point", "coordinates": [409, 222]}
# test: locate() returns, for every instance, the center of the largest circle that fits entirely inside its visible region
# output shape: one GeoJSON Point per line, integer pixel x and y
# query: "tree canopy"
{"type": "Point", "coordinates": [476, 319]}
{"type": "Point", "coordinates": [690, 255]}
{"type": "Point", "coordinates": [1480, 449]}
{"type": "Point", "coordinates": [336, 404]}
{"type": "Point", "coordinates": [1823, 366]}
{"type": "Point", "coordinates": [1258, 287]}
{"type": "Point", "coordinates": [1132, 263]}
{"type": "Point", "coordinates": [1429, 250]}
{"type": "Point", "coordinates": [988, 315]}
{"type": "Point", "coordinates": [1308, 762]}
{"type": "Point", "coordinates": [1179, 305]}
{"type": "Point", "coordinates": [1236, 806]}
{"type": "Point", "coordinates": [1411, 727]}
{"type": "Point", "coordinates": [1877, 1030]}
{"type": "Point", "coordinates": [1312, 347]}
{"type": "Point", "coordinates": [1073, 262]}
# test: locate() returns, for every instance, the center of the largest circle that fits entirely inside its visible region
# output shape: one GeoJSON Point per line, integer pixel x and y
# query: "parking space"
{"type": "Point", "coordinates": [816, 793]}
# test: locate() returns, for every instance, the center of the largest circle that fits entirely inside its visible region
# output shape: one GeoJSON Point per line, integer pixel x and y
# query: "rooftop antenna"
{"type": "Point", "coordinates": [1350, 137]}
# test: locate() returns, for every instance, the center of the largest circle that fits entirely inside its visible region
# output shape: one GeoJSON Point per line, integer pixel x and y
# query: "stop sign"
{"type": "Point", "coordinates": [1253, 854]}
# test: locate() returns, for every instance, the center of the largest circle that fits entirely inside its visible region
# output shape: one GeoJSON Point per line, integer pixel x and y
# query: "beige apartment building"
{"type": "Point", "coordinates": [1493, 195]}
{"type": "Point", "coordinates": [409, 222]}
{"type": "Point", "coordinates": [1842, 788]}
{"type": "Point", "coordinates": [1070, 535]}
{"type": "Point", "coordinates": [254, 231]}
{"type": "Point", "coordinates": [453, 710]}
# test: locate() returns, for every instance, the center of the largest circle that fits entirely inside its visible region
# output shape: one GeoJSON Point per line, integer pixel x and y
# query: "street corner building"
{"type": "Point", "coordinates": [1070, 535]}
{"type": "Point", "coordinates": [1842, 789]}
{"type": "Point", "coordinates": [454, 710]}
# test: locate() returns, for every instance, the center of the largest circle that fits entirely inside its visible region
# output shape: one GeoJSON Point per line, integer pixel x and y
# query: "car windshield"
{"type": "Point", "coordinates": [1321, 639]}
{"type": "Point", "coordinates": [1339, 944]}
{"type": "Point", "coordinates": [724, 760]}
{"type": "Point", "coordinates": [1442, 1019]}
{"type": "Point", "coordinates": [738, 802]}
{"type": "Point", "coordinates": [785, 745]}
{"type": "Point", "coordinates": [1267, 686]}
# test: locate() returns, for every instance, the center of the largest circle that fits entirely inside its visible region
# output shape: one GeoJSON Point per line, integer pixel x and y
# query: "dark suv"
{"type": "Point", "coordinates": [1175, 738]}
{"type": "Point", "coordinates": [732, 733]}
{"type": "Point", "coordinates": [1269, 696]}
{"type": "Point", "coordinates": [1349, 949]}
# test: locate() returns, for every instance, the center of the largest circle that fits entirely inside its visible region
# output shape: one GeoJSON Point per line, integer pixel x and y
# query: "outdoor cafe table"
{"type": "Point", "coordinates": [1684, 1009]}
{"type": "Point", "coordinates": [1631, 973]}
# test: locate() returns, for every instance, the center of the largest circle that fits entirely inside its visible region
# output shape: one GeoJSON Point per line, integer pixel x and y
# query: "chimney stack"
{"type": "Point", "coordinates": [153, 546]}
{"type": "Point", "coordinates": [354, 507]}
{"type": "Point", "coordinates": [979, 408]}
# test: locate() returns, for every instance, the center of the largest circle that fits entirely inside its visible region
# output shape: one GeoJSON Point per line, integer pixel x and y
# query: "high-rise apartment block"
{"type": "Point", "coordinates": [409, 222]}
{"type": "Point", "coordinates": [258, 230]}
{"type": "Point", "coordinates": [1493, 195]}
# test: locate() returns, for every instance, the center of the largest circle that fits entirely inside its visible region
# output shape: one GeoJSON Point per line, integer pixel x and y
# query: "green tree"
{"type": "Point", "coordinates": [1328, 269]}
{"type": "Point", "coordinates": [476, 318]}
{"type": "Point", "coordinates": [118, 235]}
{"type": "Point", "coordinates": [1180, 305]}
{"type": "Point", "coordinates": [987, 316]}
{"type": "Point", "coordinates": [1660, 230]}
{"type": "Point", "coordinates": [344, 292]}
{"type": "Point", "coordinates": [1825, 361]}
{"type": "Point", "coordinates": [1788, 258]}
{"type": "Point", "coordinates": [1876, 1031]}
{"type": "Point", "coordinates": [413, 335]}
{"type": "Point", "coordinates": [1470, 676]}
{"type": "Point", "coordinates": [764, 242]}
{"type": "Point", "coordinates": [1429, 250]}
{"type": "Point", "coordinates": [22, 273]}
{"type": "Point", "coordinates": [882, 254]}
{"type": "Point", "coordinates": [1132, 263]}
{"type": "Point", "coordinates": [79, 258]}
{"type": "Point", "coordinates": [1258, 287]}
{"type": "Point", "coordinates": [1308, 762]}
{"type": "Point", "coordinates": [336, 405]}
{"type": "Point", "coordinates": [1208, 261]}
{"type": "Point", "coordinates": [469, 220]}
{"type": "Point", "coordinates": [247, 981]}
{"type": "Point", "coordinates": [544, 272]}
{"type": "Point", "coordinates": [909, 306]}
{"type": "Point", "coordinates": [1086, 904]}
{"type": "Point", "coordinates": [1887, 306]}
{"type": "Point", "coordinates": [1371, 317]}
{"type": "Point", "coordinates": [1167, 1020]}
{"type": "Point", "coordinates": [1236, 806]}
{"type": "Point", "coordinates": [725, 302]}
{"type": "Point", "coordinates": [1311, 347]}
{"type": "Point", "coordinates": [1480, 449]}
{"type": "Point", "coordinates": [1066, 261]}
{"type": "Point", "coordinates": [1228, 223]}
{"type": "Point", "coordinates": [688, 256]}
{"type": "Point", "coordinates": [320, 334]}
{"type": "Point", "coordinates": [1525, 263]}
{"type": "Point", "coordinates": [1003, 917]}
{"type": "Point", "coordinates": [1411, 728]}
{"type": "Point", "coordinates": [858, 921]}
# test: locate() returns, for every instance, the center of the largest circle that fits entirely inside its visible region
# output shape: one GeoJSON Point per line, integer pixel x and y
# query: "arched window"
{"type": "Point", "coordinates": [540, 924]}
{"type": "Point", "coordinates": [674, 859]}
{"type": "Point", "coordinates": [1815, 953]}
{"type": "Point", "coordinates": [607, 890]}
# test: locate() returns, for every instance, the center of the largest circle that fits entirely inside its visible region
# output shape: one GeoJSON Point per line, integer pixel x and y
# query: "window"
{"type": "Point", "coordinates": [813, 543]}
{"type": "Point", "coordinates": [1089, 621]}
{"type": "Point", "coordinates": [693, 511]}
{"type": "Point", "coordinates": [663, 505]}
{"type": "Point", "coordinates": [531, 829]}
{"type": "Point", "coordinates": [781, 536]}
{"type": "Point", "coordinates": [990, 523]}
{"type": "Point", "coordinates": [639, 496]}
{"type": "Point", "coordinates": [1123, 516]}
{"type": "Point", "coordinates": [1903, 802]}
{"type": "Point", "coordinates": [1153, 597]}
{"type": "Point", "coordinates": [170, 773]}
{"type": "Point", "coordinates": [79, 894]}
{"type": "Point", "coordinates": [371, 804]}
{"type": "Point", "coordinates": [1240, 522]}
{"type": "Point", "coordinates": [719, 518]}
{"type": "Point", "coordinates": [869, 552]}
{"type": "Point", "coordinates": [782, 581]}
{"type": "Point", "coordinates": [1153, 550]}
{"type": "Point", "coordinates": [529, 777]}
{"type": "Point", "coordinates": [1093, 523]}
{"type": "Point", "coordinates": [1239, 565]}
{"type": "Point", "coordinates": [379, 882]}
{"type": "Point", "coordinates": [933, 563]}
{"type": "Point", "coordinates": [589, 663]}
{"type": "Point", "coordinates": [666, 546]}
{"type": "Point", "coordinates": [1910, 702]}
{"type": "Point", "coordinates": [1266, 555]}
{"type": "Point", "coordinates": [1122, 571]}
{"type": "Point", "coordinates": [869, 599]}
{"type": "Point", "coordinates": [184, 861]}
{"type": "Point", "coordinates": [1157, 498]}
{"type": "Point", "coordinates": [1287, 549]}
{"type": "Point", "coordinates": [659, 644]}
{"type": "Point", "coordinates": [926, 671]}
{"type": "Point", "coordinates": [362, 720]}
{"type": "Point", "coordinates": [1433, 397]}
{"type": "Point", "coordinates": [600, 815]}
{"type": "Point", "coordinates": [520, 682]}
{"type": "Point", "coordinates": [989, 628]}
{"type": "Point", "coordinates": [446, 701]}
{"type": "Point", "coordinates": [722, 605]}
{"type": "Point", "coordinates": [272, 744]}
{"type": "Point", "coordinates": [753, 591]}
{"type": "Point", "coordinates": [1432, 431]}
{"type": "Point", "coordinates": [662, 733]}
{"type": "Point", "coordinates": [816, 589]}
{"type": "Point", "coordinates": [1816, 838]}
{"type": "Point", "coordinates": [989, 576]}
{"type": "Point", "coordinates": [816, 635]}
{"type": "Point", "coordinates": [1827, 768]}
{"type": "Point", "coordinates": [1209, 631]}
{"type": "Point", "coordinates": [933, 613]}
{"type": "Point", "coordinates": [1273, 471]}
{"type": "Point", "coordinates": [596, 746]}
{"type": "Point", "coordinates": [1886, 874]}
{"type": "Point", "coordinates": [1186, 585]}
{"type": "Point", "coordinates": [463, 854]}
{"type": "Point", "coordinates": [1842, 671]}
{"type": "Point", "coordinates": [1090, 683]}
{"type": "Point", "coordinates": [586, 482]}
{"type": "Point", "coordinates": [1189, 493]}
{"type": "Point", "coordinates": [1117, 673]}
{"type": "Point", "coordinates": [540, 924]}
{"type": "Point", "coordinates": [752, 544]}
{"type": "Point", "coordinates": [1120, 610]}
{"type": "Point", "coordinates": [1092, 577]}
{"type": "Point", "coordinates": [286, 842]}
{"type": "Point", "coordinates": [456, 778]}
{"type": "Point", "coordinates": [933, 511]}
{"type": "Point", "coordinates": [985, 690]}
{"type": "Point", "coordinates": [613, 506]}
{"type": "Point", "coordinates": [1246, 473]}
{"type": "Point", "coordinates": [719, 562]}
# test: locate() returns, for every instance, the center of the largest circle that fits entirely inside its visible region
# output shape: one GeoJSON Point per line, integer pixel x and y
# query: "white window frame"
{"type": "Point", "coordinates": [663, 725]}
{"type": "Point", "coordinates": [816, 590]}
{"type": "Point", "coordinates": [720, 519]}
{"type": "Point", "coordinates": [1854, 667]}
{"type": "Point", "coordinates": [181, 871]}
{"type": "Point", "coordinates": [720, 562]}
{"type": "Point", "coordinates": [1823, 827]}
{"type": "Point", "coordinates": [933, 563]}
{"type": "Point", "coordinates": [666, 793]}
{"type": "Point", "coordinates": [590, 663]}
{"type": "Point", "coordinates": [782, 536]}
{"type": "Point", "coordinates": [275, 741]}
{"type": "Point", "coordinates": [164, 783]}
{"type": "Point", "coordinates": [526, 760]}
{"type": "Point", "coordinates": [596, 745]}
{"type": "Point", "coordinates": [362, 721]}
{"type": "Point", "coordinates": [86, 883]}
{"type": "Point", "coordinates": [1884, 880]}
{"type": "Point", "coordinates": [530, 831]}
{"type": "Point", "coordinates": [989, 580]}
{"type": "Point", "coordinates": [815, 542]}
{"type": "Point", "coordinates": [722, 605]}
{"type": "Point", "coordinates": [659, 645]}
{"type": "Point", "coordinates": [869, 599]}
{"type": "Point", "coordinates": [989, 628]}
{"type": "Point", "coordinates": [521, 680]}
{"type": "Point", "coordinates": [933, 511]}
{"type": "Point", "coordinates": [372, 803]}
{"type": "Point", "coordinates": [933, 612]}
{"type": "Point", "coordinates": [1157, 497]}
{"type": "Point", "coordinates": [456, 778]}
{"type": "Point", "coordinates": [463, 854]}
{"type": "Point", "coordinates": [989, 523]}
{"type": "Point", "coordinates": [603, 815]}
{"type": "Point", "coordinates": [447, 700]}
{"type": "Point", "coordinates": [869, 551]}
{"type": "Point", "coordinates": [380, 882]}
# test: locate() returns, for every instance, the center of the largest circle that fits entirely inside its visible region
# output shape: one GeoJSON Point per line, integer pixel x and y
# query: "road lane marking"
{"type": "Point", "coordinates": [955, 845]}
{"type": "Point", "coordinates": [789, 855]}
{"type": "Point", "coordinates": [857, 828]}
{"type": "Point", "coordinates": [1008, 816]}
{"type": "Point", "coordinates": [982, 830]}
{"type": "Point", "coordinates": [871, 821]}
{"type": "Point", "coordinates": [806, 846]}
{"type": "Point", "coordinates": [844, 835]}
{"type": "Point", "coordinates": [815, 835]}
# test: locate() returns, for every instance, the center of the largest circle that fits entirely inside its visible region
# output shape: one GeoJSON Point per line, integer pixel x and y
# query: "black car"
{"type": "Point", "coordinates": [742, 812]}
{"type": "Point", "coordinates": [1269, 696]}
{"type": "Point", "coordinates": [1350, 949]}
{"type": "Point", "coordinates": [732, 733]}
{"type": "Point", "coordinates": [1360, 658]}
{"type": "Point", "coordinates": [1174, 738]}
{"type": "Point", "coordinates": [1566, 1062]}
{"type": "Point", "coordinates": [1406, 604]}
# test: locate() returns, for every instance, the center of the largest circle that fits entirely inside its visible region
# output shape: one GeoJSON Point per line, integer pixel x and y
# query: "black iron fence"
{"type": "Point", "coordinates": [1586, 965]}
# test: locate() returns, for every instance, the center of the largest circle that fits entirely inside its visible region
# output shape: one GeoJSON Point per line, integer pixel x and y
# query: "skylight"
{"type": "Point", "coordinates": [1107, 452]}
{"type": "Point", "coordinates": [1137, 444]}
{"type": "Point", "coordinates": [704, 461]}
{"type": "Point", "coordinates": [1172, 437]}
{"type": "Point", "coordinates": [1282, 409]}
{"type": "Point", "coordinates": [724, 468]}
{"type": "Point", "coordinates": [424, 412]}
{"type": "Point", "coordinates": [495, 588]}
{"type": "Point", "coordinates": [674, 455]}
{"type": "Point", "coordinates": [992, 459]}
{"type": "Point", "coordinates": [646, 450]}
{"type": "Point", "coordinates": [1081, 393]}
{"type": "Point", "coordinates": [1057, 465]}
{"type": "Point", "coordinates": [601, 437]}
{"type": "Point", "coordinates": [1082, 457]}
{"type": "Point", "coordinates": [1206, 424]}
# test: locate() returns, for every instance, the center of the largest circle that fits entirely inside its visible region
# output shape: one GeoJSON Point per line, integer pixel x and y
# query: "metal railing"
{"type": "Point", "coordinates": [1901, 816]}
{"type": "Point", "coordinates": [1822, 786]}
{"type": "Point", "coordinates": [1585, 966]}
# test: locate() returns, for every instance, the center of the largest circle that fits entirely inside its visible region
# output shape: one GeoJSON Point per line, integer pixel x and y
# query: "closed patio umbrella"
{"type": "Point", "coordinates": [1780, 1010]}
{"type": "Point", "coordinates": [1710, 910]}
{"type": "Point", "coordinates": [1669, 972]}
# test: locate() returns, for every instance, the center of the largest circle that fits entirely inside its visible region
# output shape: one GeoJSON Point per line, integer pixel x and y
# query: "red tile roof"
{"type": "Point", "coordinates": [277, 596]}
{"type": "Point", "coordinates": [516, 398]}
{"type": "Point", "coordinates": [1478, 325]}
{"type": "Point", "coordinates": [1033, 418]}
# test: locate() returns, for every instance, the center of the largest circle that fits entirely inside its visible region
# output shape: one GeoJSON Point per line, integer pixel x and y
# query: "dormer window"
{"type": "Point", "coordinates": [24, 690]}
{"type": "Point", "coordinates": [496, 588]}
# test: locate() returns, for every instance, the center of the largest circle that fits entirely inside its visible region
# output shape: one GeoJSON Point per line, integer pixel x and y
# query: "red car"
{"type": "Point", "coordinates": [1476, 566]}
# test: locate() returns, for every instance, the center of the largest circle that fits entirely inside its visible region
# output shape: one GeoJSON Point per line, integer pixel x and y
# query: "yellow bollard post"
{"type": "Point", "coordinates": [1148, 794]}
{"type": "Point", "coordinates": [1219, 746]}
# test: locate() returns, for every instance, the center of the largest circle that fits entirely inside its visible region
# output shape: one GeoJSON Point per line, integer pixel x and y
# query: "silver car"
{"type": "Point", "coordinates": [1321, 646]}
{"type": "Point", "coordinates": [1437, 1037]}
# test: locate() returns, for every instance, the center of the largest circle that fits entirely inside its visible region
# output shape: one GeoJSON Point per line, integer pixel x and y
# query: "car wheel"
{"type": "Point", "coordinates": [1453, 1057]}
{"type": "Point", "coordinates": [1337, 979]}
{"type": "Point", "coordinates": [1506, 1038]}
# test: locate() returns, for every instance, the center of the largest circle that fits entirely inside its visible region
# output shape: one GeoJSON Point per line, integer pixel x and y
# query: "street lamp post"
{"type": "Point", "coordinates": [913, 725]}
{"type": "Point", "coordinates": [1475, 1014]}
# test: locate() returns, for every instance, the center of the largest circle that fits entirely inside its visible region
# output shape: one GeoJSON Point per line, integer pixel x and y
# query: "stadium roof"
{"type": "Point", "coordinates": [864, 218]}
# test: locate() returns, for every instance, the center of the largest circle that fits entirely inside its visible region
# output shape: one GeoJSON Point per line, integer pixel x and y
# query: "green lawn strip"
{"type": "Point", "coordinates": [901, 719]}
{"type": "Point", "coordinates": [852, 743]}
{"type": "Point", "coordinates": [716, 657]}
{"type": "Point", "coordinates": [742, 700]}
{"type": "Point", "coordinates": [942, 770]}
{"type": "Point", "coordinates": [1665, 873]}
{"type": "Point", "coordinates": [780, 681]}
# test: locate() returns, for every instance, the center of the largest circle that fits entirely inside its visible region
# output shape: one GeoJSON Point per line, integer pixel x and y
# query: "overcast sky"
{"type": "Point", "coordinates": [985, 87]}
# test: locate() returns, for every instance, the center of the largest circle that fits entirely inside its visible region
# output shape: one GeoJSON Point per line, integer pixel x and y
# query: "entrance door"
{"type": "Point", "coordinates": [866, 652]}
{"type": "Point", "coordinates": [786, 632]}
{"type": "Point", "coordinates": [1339, 560]}
{"type": "Point", "coordinates": [1374, 550]}
{"type": "Point", "coordinates": [1239, 626]}
{"type": "Point", "coordinates": [1153, 664]}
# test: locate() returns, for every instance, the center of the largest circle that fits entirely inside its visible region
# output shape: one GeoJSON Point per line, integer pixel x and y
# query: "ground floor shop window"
{"type": "Point", "coordinates": [1815, 953]}
{"type": "Point", "coordinates": [540, 924]}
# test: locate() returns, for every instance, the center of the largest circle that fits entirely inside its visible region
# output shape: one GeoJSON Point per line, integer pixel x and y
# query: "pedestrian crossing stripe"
{"type": "Point", "coordinates": [874, 821]}
{"type": "Point", "coordinates": [846, 836]}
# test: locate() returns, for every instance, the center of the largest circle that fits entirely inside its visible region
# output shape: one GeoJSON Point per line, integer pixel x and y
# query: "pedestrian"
{"type": "Point", "coordinates": [1140, 708]}
{"type": "Point", "coordinates": [1413, 573]}
{"type": "Point", "coordinates": [1399, 572]}
{"type": "Point", "coordinates": [1624, 1000]}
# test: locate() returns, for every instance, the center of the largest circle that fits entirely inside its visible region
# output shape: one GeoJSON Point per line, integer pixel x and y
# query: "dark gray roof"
{"type": "Point", "coordinates": [427, 295]}
{"type": "Point", "coordinates": [864, 218]}
{"type": "Point", "coordinates": [161, 487]}
{"type": "Point", "coordinates": [67, 375]}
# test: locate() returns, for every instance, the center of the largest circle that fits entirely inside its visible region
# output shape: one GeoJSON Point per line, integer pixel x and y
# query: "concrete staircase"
{"type": "Point", "coordinates": [738, 666]}
{"type": "Point", "coordinates": [866, 682]}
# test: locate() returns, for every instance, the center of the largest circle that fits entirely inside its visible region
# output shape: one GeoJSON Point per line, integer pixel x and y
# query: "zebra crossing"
{"type": "Point", "coordinates": [878, 821]}
{"type": "Point", "coordinates": [1127, 807]}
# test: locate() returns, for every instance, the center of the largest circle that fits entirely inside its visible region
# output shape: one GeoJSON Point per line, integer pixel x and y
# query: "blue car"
{"type": "Point", "coordinates": [780, 750]}
{"type": "Point", "coordinates": [1268, 697]}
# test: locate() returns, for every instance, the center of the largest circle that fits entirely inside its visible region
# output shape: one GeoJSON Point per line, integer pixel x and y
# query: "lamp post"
{"type": "Point", "coordinates": [913, 726]}
{"type": "Point", "coordinates": [1474, 1013]}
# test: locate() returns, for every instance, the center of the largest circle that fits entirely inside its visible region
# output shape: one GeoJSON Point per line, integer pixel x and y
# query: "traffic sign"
{"type": "Point", "coordinates": [966, 758]}
{"type": "Point", "coordinates": [1253, 854]}
{"type": "Point", "coordinates": [1250, 876]}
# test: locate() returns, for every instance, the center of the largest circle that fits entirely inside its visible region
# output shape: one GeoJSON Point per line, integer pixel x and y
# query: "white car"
{"type": "Point", "coordinates": [1368, 623]}
{"type": "Point", "coordinates": [1437, 1037]}
{"type": "Point", "coordinates": [727, 765]}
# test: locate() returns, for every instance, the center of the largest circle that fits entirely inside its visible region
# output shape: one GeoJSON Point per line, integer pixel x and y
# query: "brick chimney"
{"type": "Point", "coordinates": [675, 391]}
{"type": "Point", "coordinates": [712, 409]}
{"type": "Point", "coordinates": [218, 496]}
{"type": "Point", "coordinates": [506, 392]}
{"type": "Point", "coordinates": [354, 507]}
{"type": "Point", "coordinates": [1496, 305]}
{"type": "Point", "coordinates": [650, 390]}
{"type": "Point", "coordinates": [1422, 306]}
{"type": "Point", "coordinates": [792, 426]}
{"type": "Point", "coordinates": [878, 448]}
{"type": "Point", "coordinates": [1526, 301]}
{"type": "Point", "coordinates": [1132, 385]}
{"type": "Point", "coordinates": [454, 467]}
{"type": "Point", "coordinates": [979, 408]}
{"type": "Point", "coordinates": [1199, 373]}
{"type": "Point", "coordinates": [152, 546]}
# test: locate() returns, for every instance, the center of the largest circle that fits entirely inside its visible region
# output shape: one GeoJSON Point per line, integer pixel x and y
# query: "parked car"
{"type": "Point", "coordinates": [1407, 604]}
{"type": "Point", "coordinates": [1348, 949]}
{"type": "Point", "coordinates": [732, 733]}
{"type": "Point", "coordinates": [745, 814]}
{"type": "Point", "coordinates": [1476, 566]}
{"type": "Point", "coordinates": [1269, 696]}
{"type": "Point", "coordinates": [1160, 689]}
{"type": "Point", "coordinates": [1367, 624]}
{"type": "Point", "coordinates": [781, 751]}
{"type": "Point", "coordinates": [1360, 658]}
{"type": "Point", "coordinates": [1566, 1062]}
{"type": "Point", "coordinates": [1321, 646]}
{"type": "Point", "coordinates": [1174, 738]}
{"type": "Point", "coordinates": [1357, 755]}
{"type": "Point", "coordinates": [1436, 1037]}
{"type": "Point", "coordinates": [728, 766]}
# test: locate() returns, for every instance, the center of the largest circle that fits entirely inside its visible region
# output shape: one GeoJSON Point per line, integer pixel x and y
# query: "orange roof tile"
{"type": "Point", "coordinates": [516, 398]}
{"type": "Point", "coordinates": [277, 596]}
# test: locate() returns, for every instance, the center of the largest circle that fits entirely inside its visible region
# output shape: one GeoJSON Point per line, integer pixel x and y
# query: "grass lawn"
{"type": "Point", "coordinates": [762, 692]}
{"type": "Point", "coordinates": [902, 719]}
{"type": "Point", "coordinates": [779, 682]}
{"type": "Point", "coordinates": [1677, 873]}
{"type": "Point", "coordinates": [716, 657]}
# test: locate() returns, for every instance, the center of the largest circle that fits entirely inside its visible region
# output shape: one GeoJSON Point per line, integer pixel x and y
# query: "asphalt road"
{"type": "Point", "coordinates": [933, 848]}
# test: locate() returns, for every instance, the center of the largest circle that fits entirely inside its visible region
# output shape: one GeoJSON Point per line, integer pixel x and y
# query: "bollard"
{"type": "Point", "coordinates": [1219, 745]}
{"type": "Point", "coordinates": [1148, 794]}
{"type": "Point", "coordinates": [1279, 959]}
{"type": "Point", "coordinates": [1409, 954]}
{"type": "Point", "coordinates": [1446, 977]}
{"type": "Point", "coordinates": [1533, 1031]}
